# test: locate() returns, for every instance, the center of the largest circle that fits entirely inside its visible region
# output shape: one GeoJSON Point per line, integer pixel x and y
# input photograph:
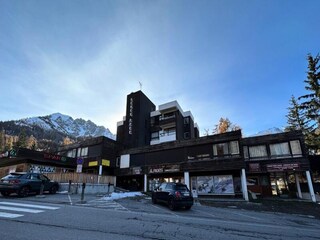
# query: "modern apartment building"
{"type": "Point", "coordinates": [143, 125]}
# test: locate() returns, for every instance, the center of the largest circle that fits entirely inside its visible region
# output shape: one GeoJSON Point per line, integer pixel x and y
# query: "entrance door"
{"type": "Point", "coordinates": [279, 184]}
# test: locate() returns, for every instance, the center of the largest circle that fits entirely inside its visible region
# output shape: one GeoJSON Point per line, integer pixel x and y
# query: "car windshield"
{"type": "Point", "coordinates": [181, 188]}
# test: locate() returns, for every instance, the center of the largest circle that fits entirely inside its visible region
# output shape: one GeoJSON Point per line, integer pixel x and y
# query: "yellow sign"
{"type": "Point", "coordinates": [105, 162]}
{"type": "Point", "coordinates": [94, 163]}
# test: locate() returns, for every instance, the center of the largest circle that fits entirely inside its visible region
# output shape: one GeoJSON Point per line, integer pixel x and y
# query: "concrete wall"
{"type": "Point", "coordinates": [89, 189]}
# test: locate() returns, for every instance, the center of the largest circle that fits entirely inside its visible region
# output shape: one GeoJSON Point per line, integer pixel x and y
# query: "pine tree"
{"type": "Point", "coordinates": [297, 120]}
{"type": "Point", "coordinates": [312, 100]}
{"type": "Point", "coordinates": [22, 140]}
{"type": "Point", "coordinates": [310, 103]}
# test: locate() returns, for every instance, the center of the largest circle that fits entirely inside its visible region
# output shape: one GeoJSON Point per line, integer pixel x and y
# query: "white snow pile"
{"type": "Point", "coordinates": [115, 195]}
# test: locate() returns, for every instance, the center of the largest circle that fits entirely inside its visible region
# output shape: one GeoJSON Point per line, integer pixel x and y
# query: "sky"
{"type": "Point", "coordinates": [240, 59]}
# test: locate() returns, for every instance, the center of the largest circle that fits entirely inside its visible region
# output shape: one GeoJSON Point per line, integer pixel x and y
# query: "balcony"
{"type": "Point", "coordinates": [164, 136]}
{"type": "Point", "coordinates": [167, 119]}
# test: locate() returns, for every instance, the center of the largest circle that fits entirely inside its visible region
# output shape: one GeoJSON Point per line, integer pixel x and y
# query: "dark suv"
{"type": "Point", "coordinates": [24, 183]}
{"type": "Point", "coordinates": [174, 195]}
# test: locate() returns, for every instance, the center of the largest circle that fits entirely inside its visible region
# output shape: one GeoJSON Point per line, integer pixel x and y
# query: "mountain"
{"type": "Point", "coordinates": [67, 125]}
{"type": "Point", "coordinates": [50, 131]}
{"type": "Point", "coordinates": [268, 131]}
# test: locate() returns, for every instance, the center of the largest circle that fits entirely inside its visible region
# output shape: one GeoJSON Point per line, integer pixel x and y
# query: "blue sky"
{"type": "Point", "coordinates": [237, 59]}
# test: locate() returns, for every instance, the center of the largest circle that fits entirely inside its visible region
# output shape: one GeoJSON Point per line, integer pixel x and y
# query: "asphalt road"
{"type": "Point", "coordinates": [63, 217]}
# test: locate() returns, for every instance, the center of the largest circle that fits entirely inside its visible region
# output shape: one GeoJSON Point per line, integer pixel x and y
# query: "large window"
{"type": "Point", "coordinates": [258, 151]}
{"type": "Point", "coordinates": [279, 149]}
{"type": "Point", "coordinates": [226, 149]}
{"type": "Point", "coordinates": [82, 152]}
{"type": "Point", "coordinates": [295, 148]}
{"type": "Point", "coordinates": [72, 153]}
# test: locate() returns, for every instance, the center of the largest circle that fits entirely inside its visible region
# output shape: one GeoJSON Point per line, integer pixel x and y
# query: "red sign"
{"type": "Point", "coordinates": [54, 157]}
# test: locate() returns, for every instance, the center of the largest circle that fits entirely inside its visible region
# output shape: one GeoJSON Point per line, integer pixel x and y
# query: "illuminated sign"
{"type": "Point", "coordinates": [93, 163]}
{"type": "Point", "coordinates": [105, 162]}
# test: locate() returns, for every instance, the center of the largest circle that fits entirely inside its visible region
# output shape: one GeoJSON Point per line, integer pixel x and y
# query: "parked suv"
{"type": "Point", "coordinates": [174, 195]}
{"type": "Point", "coordinates": [25, 183]}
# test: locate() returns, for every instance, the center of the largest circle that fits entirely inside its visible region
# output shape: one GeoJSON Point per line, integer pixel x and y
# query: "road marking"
{"type": "Point", "coordinates": [21, 209]}
{"type": "Point", "coordinates": [29, 205]}
{"type": "Point", "coordinates": [167, 211]}
{"type": "Point", "coordinates": [9, 215]}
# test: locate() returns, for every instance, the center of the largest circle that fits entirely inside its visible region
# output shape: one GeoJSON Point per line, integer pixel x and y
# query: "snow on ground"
{"type": "Point", "coordinates": [115, 195]}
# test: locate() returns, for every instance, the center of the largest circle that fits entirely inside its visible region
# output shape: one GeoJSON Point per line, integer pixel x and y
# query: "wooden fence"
{"type": "Point", "coordinates": [80, 178]}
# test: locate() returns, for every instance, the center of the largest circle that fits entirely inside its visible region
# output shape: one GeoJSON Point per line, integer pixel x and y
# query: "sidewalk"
{"type": "Point", "coordinates": [290, 206]}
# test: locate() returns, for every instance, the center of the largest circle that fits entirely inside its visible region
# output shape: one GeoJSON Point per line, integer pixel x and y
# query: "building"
{"type": "Point", "coordinates": [211, 165]}
{"type": "Point", "coordinates": [96, 155]}
{"type": "Point", "coordinates": [277, 164]}
{"type": "Point", "coordinates": [157, 145]}
{"type": "Point", "coordinates": [143, 125]}
{"type": "Point", "coordinates": [26, 160]}
{"type": "Point", "coordinates": [134, 130]}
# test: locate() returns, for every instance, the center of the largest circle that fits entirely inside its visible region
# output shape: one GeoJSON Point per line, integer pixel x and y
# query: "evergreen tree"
{"type": "Point", "coordinates": [306, 115]}
{"type": "Point", "coordinates": [311, 103]}
{"type": "Point", "coordinates": [297, 120]}
{"type": "Point", "coordinates": [22, 140]}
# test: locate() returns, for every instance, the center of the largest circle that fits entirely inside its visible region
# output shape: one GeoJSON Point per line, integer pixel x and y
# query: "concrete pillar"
{"type": "Point", "coordinates": [100, 173]}
{"type": "Point", "coordinates": [114, 181]}
{"type": "Point", "coordinates": [312, 195]}
{"type": "Point", "coordinates": [145, 183]}
{"type": "Point", "coordinates": [187, 179]}
{"type": "Point", "coordinates": [244, 185]}
{"type": "Point", "coordinates": [298, 185]}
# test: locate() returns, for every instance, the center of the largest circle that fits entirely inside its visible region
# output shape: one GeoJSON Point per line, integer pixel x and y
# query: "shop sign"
{"type": "Point", "coordinates": [172, 168]}
{"type": "Point", "coordinates": [156, 170]}
{"type": "Point", "coordinates": [166, 169]}
{"type": "Point", "coordinates": [93, 163]}
{"type": "Point", "coordinates": [282, 167]}
{"type": "Point", "coordinates": [105, 162]}
{"type": "Point", "coordinates": [54, 157]}
{"type": "Point", "coordinates": [254, 167]}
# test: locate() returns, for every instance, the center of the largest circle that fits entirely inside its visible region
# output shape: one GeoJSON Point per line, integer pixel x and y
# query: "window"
{"type": "Point", "coordinates": [186, 121]}
{"type": "Point", "coordinates": [72, 153]}
{"type": "Point", "coordinates": [82, 152]}
{"type": "Point", "coordinates": [154, 135]}
{"type": "Point", "coordinates": [226, 149]}
{"type": "Point", "coordinates": [234, 147]}
{"type": "Point", "coordinates": [246, 152]}
{"type": "Point", "coordinates": [279, 149]}
{"type": "Point", "coordinates": [118, 162]}
{"type": "Point", "coordinates": [258, 151]}
{"type": "Point", "coordinates": [295, 148]}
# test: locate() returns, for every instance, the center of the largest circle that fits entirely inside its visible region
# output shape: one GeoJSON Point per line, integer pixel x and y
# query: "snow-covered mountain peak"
{"type": "Point", "coordinates": [67, 125]}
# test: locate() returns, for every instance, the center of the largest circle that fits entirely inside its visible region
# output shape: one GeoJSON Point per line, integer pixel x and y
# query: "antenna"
{"type": "Point", "coordinates": [140, 85]}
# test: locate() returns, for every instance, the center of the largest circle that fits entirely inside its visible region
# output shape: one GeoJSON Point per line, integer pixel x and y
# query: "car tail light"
{"type": "Point", "coordinates": [177, 194]}
{"type": "Point", "coordinates": [16, 181]}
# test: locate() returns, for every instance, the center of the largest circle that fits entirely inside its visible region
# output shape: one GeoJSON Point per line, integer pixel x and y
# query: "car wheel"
{"type": "Point", "coordinates": [188, 207]}
{"type": "Point", "coordinates": [53, 189]}
{"type": "Point", "coordinates": [5, 194]}
{"type": "Point", "coordinates": [23, 191]}
{"type": "Point", "coordinates": [171, 204]}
